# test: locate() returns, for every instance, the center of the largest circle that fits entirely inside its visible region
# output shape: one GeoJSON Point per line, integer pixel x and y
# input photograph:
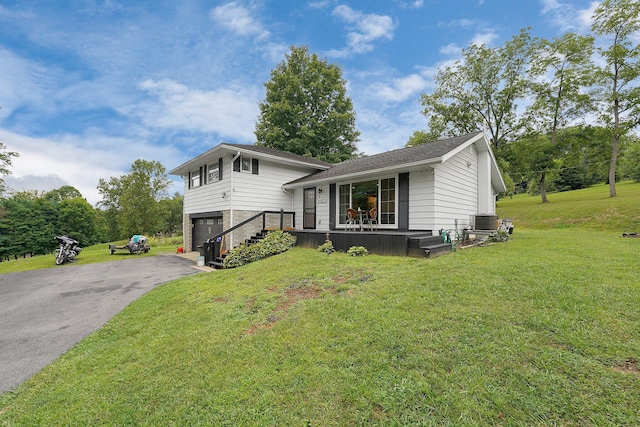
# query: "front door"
{"type": "Point", "coordinates": [309, 208]}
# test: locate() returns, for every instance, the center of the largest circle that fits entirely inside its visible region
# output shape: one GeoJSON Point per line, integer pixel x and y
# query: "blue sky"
{"type": "Point", "coordinates": [89, 86]}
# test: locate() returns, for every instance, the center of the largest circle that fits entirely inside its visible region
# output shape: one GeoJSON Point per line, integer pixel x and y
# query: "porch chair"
{"type": "Point", "coordinates": [352, 218]}
{"type": "Point", "coordinates": [372, 219]}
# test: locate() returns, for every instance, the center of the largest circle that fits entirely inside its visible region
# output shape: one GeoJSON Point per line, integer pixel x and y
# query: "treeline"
{"type": "Point", "coordinates": [30, 221]}
{"type": "Point", "coordinates": [135, 203]}
{"type": "Point", "coordinates": [535, 99]}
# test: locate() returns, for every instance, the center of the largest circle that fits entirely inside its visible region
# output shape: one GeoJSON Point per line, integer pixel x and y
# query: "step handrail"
{"type": "Point", "coordinates": [262, 214]}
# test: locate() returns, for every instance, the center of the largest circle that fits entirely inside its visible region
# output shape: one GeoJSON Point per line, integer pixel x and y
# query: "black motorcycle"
{"type": "Point", "coordinates": [67, 251]}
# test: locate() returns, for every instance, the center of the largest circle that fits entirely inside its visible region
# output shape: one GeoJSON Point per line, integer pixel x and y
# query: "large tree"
{"type": "Point", "coordinates": [480, 91]}
{"type": "Point", "coordinates": [559, 75]}
{"type": "Point", "coordinates": [134, 199]}
{"type": "Point", "coordinates": [5, 162]}
{"type": "Point", "coordinates": [618, 20]}
{"type": "Point", "coordinates": [306, 110]}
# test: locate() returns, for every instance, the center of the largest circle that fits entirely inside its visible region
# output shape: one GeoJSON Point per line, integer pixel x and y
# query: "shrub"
{"type": "Point", "coordinates": [327, 247]}
{"type": "Point", "coordinates": [274, 243]}
{"type": "Point", "coordinates": [358, 251]}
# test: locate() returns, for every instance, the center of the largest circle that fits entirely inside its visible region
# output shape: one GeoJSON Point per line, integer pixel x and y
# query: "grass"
{"type": "Point", "coordinates": [541, 330]}
{"type": "Point", "coordinates": [89, 255]}
{"type": "Point", "coordinates": [587, 209]}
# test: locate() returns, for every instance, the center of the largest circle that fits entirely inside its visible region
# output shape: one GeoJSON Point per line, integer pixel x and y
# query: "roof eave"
{"type": "Point", "coordinates": [369, 172]}
{"type": "Point", "coordinates": [228, 148]}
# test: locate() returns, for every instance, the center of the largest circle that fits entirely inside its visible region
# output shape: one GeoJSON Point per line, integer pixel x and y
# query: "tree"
{"type": "Point", "coordinates": [173, 209]}
{"type": "Point", "coordinates": [480, 91]}
{"type": "Point", "coordinates": [78, 220]}
{"type": "Point", "coordinates": [630, 161]}
{"type": "Point", "coordinates": [65, 192]}
{"type": "Point", "coordinates": [306, 110]}
{"type": "Point", "coordinates": [419, 137]}
{"type": "Point", "coordinates": [619, 20]}
{"type": "Point", "coordinates": [558, 75]}
{"type": "Point", "coordinates": [5, 162]}
{"type": "Point", "coordinates": [134, 198]}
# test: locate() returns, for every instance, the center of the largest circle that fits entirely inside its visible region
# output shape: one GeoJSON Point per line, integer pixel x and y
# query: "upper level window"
{"type": "Point", "coordinates": [245, 164]}
{"type": "Point", "coordinates": [213, 173]}
{"type": "Point", "coordinates": [195, 179]}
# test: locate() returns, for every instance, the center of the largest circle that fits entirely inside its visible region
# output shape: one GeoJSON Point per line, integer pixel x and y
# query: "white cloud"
{"type": "Point", "coordinates": [239, 19]}
{"type": "Point", "coordinates": [416, 4]}
{"type": "Point", "coordinates": [22, 82]}
{"type": "Point", "coordinates": [230, 112]}
{"type": "Point", "coordinates": [81, 160]}
{"type": "Point", "coordinates": [366, 29]}
{"type": "Point", "coordinates": [400, 89]}
{"type": "Point", "coordinates": [566, 17]}
{"type": "Point", "coordinates": [484, 38]}
{"type": "Point", "coordinates": [451, 49]}
{"type": "Point", "coordinates": [459, 23]}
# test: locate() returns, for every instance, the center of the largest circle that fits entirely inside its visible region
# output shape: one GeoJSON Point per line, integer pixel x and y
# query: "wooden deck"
{"type": "Point", "coordinates": [398, 243]}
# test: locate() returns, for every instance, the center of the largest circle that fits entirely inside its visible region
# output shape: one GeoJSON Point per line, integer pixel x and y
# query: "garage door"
{"type": "Point", "coordinates": [203, 228]}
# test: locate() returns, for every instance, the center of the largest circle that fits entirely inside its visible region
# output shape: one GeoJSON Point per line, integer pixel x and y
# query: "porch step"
{"type": "Point", "coordinates": [427, 246]}
{"type": "Point", "coordinates": [439, 249]}
{"type": "Point", "coordinates": [423, 241]}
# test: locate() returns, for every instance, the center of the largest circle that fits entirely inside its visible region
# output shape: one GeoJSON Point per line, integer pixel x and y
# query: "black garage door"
{"type": "Point", "coordinates": [203, 228]}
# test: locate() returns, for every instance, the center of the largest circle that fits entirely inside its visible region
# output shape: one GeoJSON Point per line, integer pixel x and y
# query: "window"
{"type": "Point", "coordinates": [366, 195]}
{"type": "Point", "coordinates": [213, 173]}
{"type": "Point", "coordinates": [387, 209]}
{"type": "Point", "coordinates": [194, 180]}
{"type": "Point", "coordinates": [245, 164]}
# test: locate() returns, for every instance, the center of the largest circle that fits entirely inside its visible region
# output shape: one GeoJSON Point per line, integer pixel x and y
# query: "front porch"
{"type": "Point", "coordinates": [383, 242]}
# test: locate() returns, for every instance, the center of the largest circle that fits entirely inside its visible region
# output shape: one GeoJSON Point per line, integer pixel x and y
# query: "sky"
{"type": "Point", "coordinates": [89, 86]}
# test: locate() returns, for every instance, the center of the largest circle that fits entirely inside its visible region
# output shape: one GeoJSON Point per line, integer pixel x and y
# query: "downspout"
{"type": "Point", "coordinates": [231, 191]}
{"type": "Point", "coordinates": [289, 194]}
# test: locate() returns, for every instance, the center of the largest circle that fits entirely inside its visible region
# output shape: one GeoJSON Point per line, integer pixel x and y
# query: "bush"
{"type": "Point", "coordinates": [327, 247]}
{"type": "Point", "coordinates": [358, 251]}
{"type": "Point", "coordinates": [274, 243]}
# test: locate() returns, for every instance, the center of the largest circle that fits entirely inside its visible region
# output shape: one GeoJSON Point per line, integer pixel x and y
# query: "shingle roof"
{"type": "Point", "coordinates": [423, 152]}
{"type": "Point", "coordinates": [281, 154]}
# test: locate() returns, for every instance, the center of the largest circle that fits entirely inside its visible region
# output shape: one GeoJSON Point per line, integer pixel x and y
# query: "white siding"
{"type": "Point", "coordinates": [421, 193]}
{"type": "Point", "coordinates": [456, 190]}
{"type": "Point", "coordinates": [208, 197]}
{"type": "Point", "coordinates": [250, 192]}
{"type": "Point", "coordinates": [322, 207]}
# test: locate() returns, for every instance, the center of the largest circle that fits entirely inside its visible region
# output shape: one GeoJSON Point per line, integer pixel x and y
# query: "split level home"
{"type": "Point", "coordinates": [386, 202]}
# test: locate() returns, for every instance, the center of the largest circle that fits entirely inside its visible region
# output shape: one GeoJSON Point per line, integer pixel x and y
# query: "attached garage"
{"type": "Point", "coordinates": [204, 226]}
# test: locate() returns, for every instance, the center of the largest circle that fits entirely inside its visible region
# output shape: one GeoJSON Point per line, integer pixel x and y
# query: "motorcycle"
{"type": "Point", "coordinates": [68, 250]}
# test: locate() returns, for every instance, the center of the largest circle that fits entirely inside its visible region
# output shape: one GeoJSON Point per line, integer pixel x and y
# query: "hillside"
{"type": "Point", "coordinates": [587, 209]}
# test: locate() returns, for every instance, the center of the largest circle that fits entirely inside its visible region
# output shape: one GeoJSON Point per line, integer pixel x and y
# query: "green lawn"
{"type": "Point", "coordinates": [541, 330]}
{"type": "Point", "coordinates": [89, 255]}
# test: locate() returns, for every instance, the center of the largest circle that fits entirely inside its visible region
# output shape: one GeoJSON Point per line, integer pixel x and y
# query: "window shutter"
{"type": "Point", "coordinates": [254, 166]}
{"type": "Point", "coordinates": [236, 165]}
{"type": "Point", "coordinates": [201, 176]}
{"type": "Point", "coordinates": [189, 181]}
{"type": "Point", "coordinates": [206, 178]}
{"type": "Point", "coordinates": [220, 169]}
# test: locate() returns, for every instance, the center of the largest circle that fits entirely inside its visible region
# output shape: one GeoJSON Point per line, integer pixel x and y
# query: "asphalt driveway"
{"type": "Point", "coordinates": [43, 313]}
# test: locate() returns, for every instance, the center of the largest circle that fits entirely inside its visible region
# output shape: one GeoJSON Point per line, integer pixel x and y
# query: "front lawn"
{"type": "Point", "coordinates": [541, 330]}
